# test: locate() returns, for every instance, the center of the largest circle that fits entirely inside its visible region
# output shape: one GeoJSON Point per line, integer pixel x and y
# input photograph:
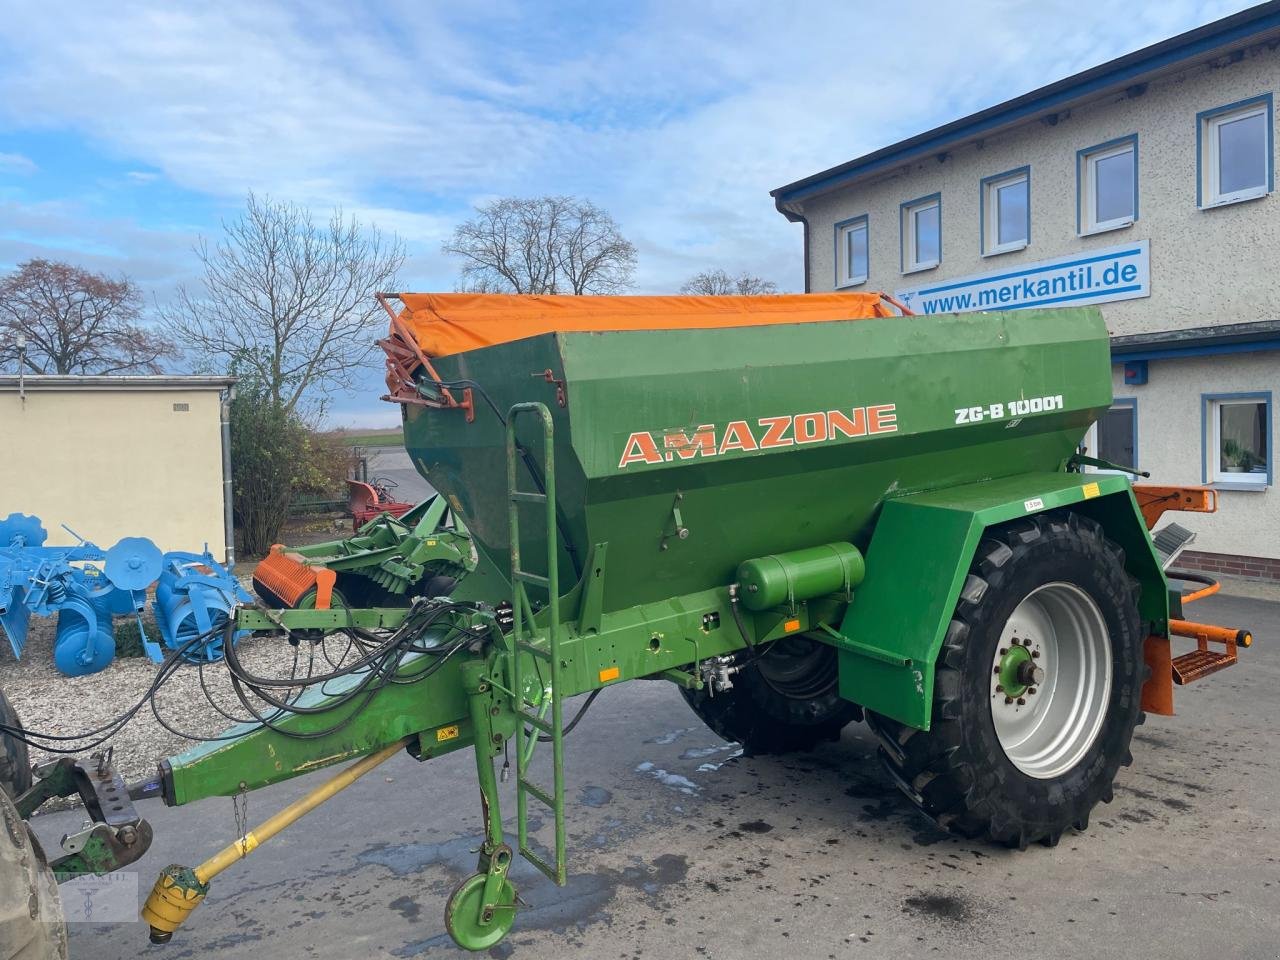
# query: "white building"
{"type": "Point", "coordinates": [119, 456]}
{"type": "Point", "coordinates": [1144, 185]}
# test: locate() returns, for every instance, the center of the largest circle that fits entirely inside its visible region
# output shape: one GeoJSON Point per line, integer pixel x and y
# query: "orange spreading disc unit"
{"type": "Point", "coordinates": [282, 579]}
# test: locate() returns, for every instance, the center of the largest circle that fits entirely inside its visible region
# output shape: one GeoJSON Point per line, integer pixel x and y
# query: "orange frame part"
{"type": "Point", "coordinates": [1166, 670]}
{"type": "Point", "coordinates": [1154, 499]}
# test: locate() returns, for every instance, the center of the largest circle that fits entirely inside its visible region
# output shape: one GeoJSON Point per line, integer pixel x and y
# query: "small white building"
{"type": "Point", "coordinates": [117, 456]}
{"type": "Point", "coordinates": [1145, 185]}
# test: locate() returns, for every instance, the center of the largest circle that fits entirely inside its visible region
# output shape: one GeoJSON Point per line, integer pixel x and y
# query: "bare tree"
{"type": "Point", "coordinates": [542, 245]}
{"type": "Point", "coordinates": [74, 321]}
{"type": "Point", "coordinates": [718, 283]}
{"type": "Point", "coordinates": [287, 301]}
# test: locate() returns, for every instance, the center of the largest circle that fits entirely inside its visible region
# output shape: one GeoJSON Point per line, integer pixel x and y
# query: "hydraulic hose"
{"type": "Point", "coordinates": [1211, 587]}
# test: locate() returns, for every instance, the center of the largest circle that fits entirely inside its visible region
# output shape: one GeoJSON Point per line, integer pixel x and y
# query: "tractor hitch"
{"type": "Point", "coordinates": [115, 836]}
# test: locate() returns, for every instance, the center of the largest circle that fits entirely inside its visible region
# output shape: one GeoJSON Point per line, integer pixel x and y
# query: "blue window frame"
{"type": "Point", "coordinates": [1236, 440]}
{"type": "Point", "coordinates": [1235, 150]}
{"type": "Point", "coordinates": [1107, 185]}
{"type": "Point", "coordinates": [1004, 213]}
{"type": "Point", "coordinates": [853, 251]}
{"type": "Point", "coordinates": [920, 221]}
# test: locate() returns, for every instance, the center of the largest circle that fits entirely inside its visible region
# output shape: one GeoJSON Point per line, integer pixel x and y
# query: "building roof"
{"type": "Point", "coordinates": [47, 381]}
{"type": "Point", "coordinates": [1218, 338]}
{"type": "Point", "coordinates": [1127, 73]}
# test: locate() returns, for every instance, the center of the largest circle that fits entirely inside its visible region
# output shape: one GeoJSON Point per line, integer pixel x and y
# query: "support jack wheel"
{"type": "Point", "coordinates": [462, 914]}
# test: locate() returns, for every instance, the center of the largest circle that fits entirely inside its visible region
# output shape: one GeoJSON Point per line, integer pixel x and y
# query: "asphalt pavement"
{"type": "Point", "coordinates": [680, 847]}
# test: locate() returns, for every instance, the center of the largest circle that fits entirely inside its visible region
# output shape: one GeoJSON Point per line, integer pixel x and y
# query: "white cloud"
{"type": "Point", "coordinates": [16, 163]}
{"type": "Point", "coordinates": [156, 258]}
{"type": "Point", "coordinates": [677, 117]}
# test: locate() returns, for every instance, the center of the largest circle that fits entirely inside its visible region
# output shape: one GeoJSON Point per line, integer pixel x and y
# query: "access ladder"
{"type": "Point", "coordinates": [542, 647]}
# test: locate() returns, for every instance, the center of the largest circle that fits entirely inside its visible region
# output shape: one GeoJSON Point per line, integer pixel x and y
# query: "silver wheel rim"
{"type": "Point", "coordinates": [1049, 698]}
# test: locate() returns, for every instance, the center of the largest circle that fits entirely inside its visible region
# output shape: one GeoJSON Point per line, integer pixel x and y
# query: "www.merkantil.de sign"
{"type": "Point", "coordinates": [1093, 276]}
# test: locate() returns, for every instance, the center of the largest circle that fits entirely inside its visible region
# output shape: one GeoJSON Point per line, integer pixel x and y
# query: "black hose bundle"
{"type": "Point", "coordinates": [373, 659]}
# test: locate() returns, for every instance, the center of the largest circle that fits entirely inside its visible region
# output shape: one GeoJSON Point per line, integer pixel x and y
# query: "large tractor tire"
{"type": "Point", "coordinates": [15, 764]}
{"type": "Point", "coordinates": [1037, 689]}
{"type": "Point", "coordinates": [31, 922]}
{"type": "Point", "coordinates": [784, 700]}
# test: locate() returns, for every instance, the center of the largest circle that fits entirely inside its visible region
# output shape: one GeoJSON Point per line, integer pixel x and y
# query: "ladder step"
{"type": "Point", "coordinates": [1199, 663]}
{"type": "Point", "coordinates": [537, 722]}
{"type": "Point", "coordinates": [553, 874]}
{"type": "Point", "coordinates": [546, 798]}
{"type": "Point", "coordinates": [533, 578]}
{"type": "Point", "coordinates": [536, 650]}
{"type": "Point", "coordinates": [527, 496]}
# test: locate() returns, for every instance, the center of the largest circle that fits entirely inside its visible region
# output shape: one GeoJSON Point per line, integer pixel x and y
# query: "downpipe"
{"type": "Point", "coordinates": [228, 513]}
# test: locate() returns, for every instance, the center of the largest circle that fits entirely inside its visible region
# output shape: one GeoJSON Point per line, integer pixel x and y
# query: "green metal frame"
{"type": "Point", "coordinates": [397, 553]}
{"type": "Point", "coordinates": [525, 637]}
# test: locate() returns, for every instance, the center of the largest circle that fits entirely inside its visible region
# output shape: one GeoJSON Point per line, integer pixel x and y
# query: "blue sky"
{"type": "Point", "coordinates": [129, 130]}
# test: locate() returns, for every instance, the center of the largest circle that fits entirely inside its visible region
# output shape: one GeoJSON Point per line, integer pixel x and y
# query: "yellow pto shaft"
{"type": "Point", "coordinates": [179, 889]}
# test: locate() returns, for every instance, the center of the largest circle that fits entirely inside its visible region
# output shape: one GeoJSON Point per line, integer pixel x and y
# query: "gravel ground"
{"type": "Point", "coordinates": [49, 702]}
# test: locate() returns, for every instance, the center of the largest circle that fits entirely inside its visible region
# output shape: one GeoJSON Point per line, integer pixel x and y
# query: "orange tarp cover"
{"type": "Point", "coordinates": [446, 323]}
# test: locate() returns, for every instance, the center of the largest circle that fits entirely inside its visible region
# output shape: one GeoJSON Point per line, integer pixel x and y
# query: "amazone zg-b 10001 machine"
{"type": "Point", "coordinates": [801, 510]}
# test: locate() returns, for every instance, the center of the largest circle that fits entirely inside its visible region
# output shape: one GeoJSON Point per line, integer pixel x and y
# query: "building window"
{"type": "Point", "coordinates": [1006, 211]}
{"type": "Point", "coordinates": [1107, 186]}
{"type": "Point", "coordinates": [922, 233]}
{"type": "Point", "coordinates": [1235, 147]}
{"type": "Point", "coordinates": [1237, 439]}
{"type": "Point", "coordinates": [1114, 437]}
{"type": "Point", "coordinates": [851, 252]}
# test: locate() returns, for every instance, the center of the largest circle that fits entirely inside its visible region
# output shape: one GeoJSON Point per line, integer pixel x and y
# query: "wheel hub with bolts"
{"type": "Point", "coordinates": [1017, 671]}
{"type": "Point", "coordinates": [1051, 680]}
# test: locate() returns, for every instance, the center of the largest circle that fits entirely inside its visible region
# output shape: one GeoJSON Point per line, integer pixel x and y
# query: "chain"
{"type": "Point", "coordinates": [240, 810]}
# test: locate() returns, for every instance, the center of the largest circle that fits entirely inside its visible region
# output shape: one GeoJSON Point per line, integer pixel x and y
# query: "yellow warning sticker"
{"type": "Point", "coordinates": [1090, 490]}
{"type": "Point", "coordinates": [447, 733]}
{"type": "Point", "coordinates": [609, 673]}
{"type": "Point", "coordinates": [431, 543]}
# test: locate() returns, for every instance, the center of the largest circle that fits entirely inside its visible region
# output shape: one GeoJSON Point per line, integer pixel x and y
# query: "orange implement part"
{"type": "Point", "coordinates": [1206, 632]}
{"type": "Point", "coordinates": [1166, 670]}
{"type": "Point", "coordinates": [1200, 594]}
{"type": "Point", "coordinates": [1157, 691]}
{"type": "Point", "coordinates": [1199, 663]}
{"type": "Point", "coordinates": [448, 323]}
{"type": "Point", "coordinates": [1202, 661]}
{"type": "Point", "coordinates": [285, 576]}
{"type": "Point", "coordinates": [1154, 500]}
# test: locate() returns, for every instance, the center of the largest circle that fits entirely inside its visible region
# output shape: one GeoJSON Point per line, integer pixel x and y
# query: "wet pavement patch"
{"type": "Point", "coordinates": [407, 907]}
{"type": "Point", "coordinates": [939, 906]}
{"type": "Point", "coordinates": [594, 796]}
{"type": "Point", "coordinates": [581, 903]}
